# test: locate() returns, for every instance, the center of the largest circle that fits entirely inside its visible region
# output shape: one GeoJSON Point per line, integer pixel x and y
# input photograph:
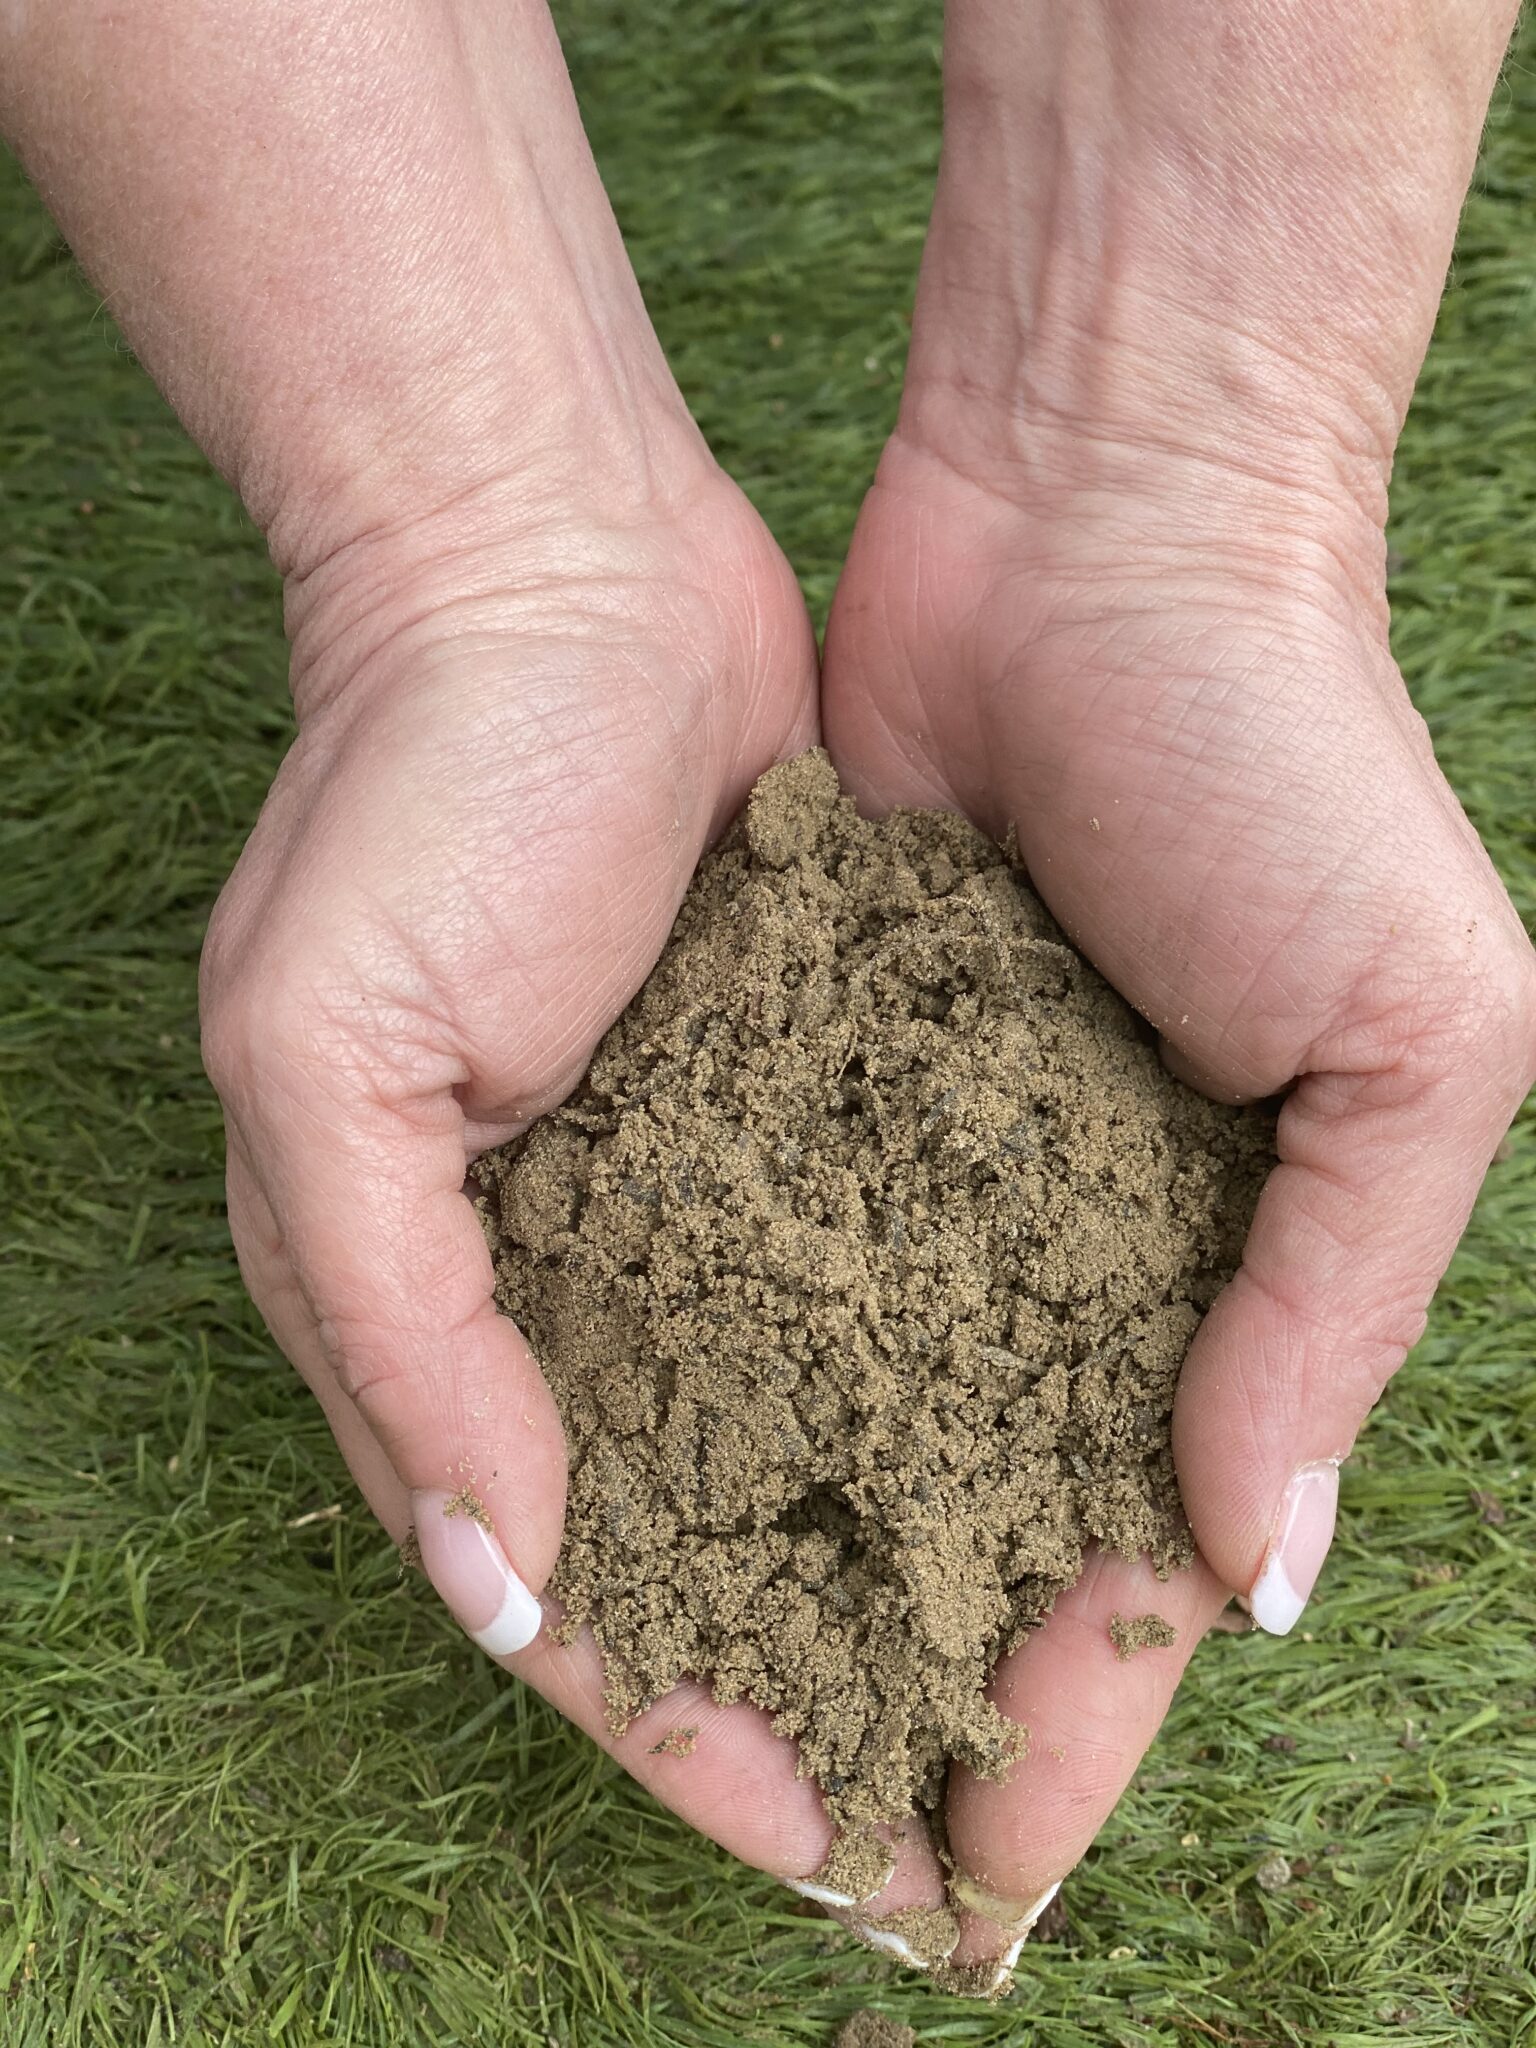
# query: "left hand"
{"type": "Point", "coordinates": [516, 736]}
{"type": "Point", "coordinates": [1181, 694]}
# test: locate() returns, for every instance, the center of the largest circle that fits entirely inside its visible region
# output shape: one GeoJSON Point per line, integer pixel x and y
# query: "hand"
{"type": "Point", "coordinates": [517, 733]}
{"type": "Point", "coordinates": [1176, 684]}
{"type": "Point", "coordinates": [1120, 583]}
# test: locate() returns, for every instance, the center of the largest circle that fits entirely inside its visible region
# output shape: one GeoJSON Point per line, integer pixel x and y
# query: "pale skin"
{"type": "Point", "coordinates": [1119, 582]}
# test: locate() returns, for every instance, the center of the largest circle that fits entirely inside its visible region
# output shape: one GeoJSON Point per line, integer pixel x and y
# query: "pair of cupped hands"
{"type": "Point", "coordinates": [526, 710]}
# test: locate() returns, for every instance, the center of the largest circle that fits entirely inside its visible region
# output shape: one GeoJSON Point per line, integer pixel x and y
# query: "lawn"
{"type": "Point", "coordinates": [258, 1790]}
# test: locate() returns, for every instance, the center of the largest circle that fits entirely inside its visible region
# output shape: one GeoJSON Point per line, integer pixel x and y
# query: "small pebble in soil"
{"type": "Point", "coordinates": [1273, 1874]}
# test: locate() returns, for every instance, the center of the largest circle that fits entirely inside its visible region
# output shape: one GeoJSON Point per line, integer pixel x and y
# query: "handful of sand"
{"type": "Point", "coordinates": [862, 1265]}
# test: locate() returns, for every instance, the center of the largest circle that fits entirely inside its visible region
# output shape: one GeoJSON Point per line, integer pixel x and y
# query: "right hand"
{"type": "Point", "coordinates": [515, 740]}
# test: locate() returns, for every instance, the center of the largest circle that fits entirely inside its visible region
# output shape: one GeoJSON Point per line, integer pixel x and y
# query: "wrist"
{"type": "Point", "coordinates": [1184, 261]}
{"type": "Point", "coordinates": [1104, 453]}
{"type": "Point", "coordinates": [587, 429]}
{"type": "Point", "coordinates": [540, 556]}
{"type": "Point", "coordinates": [368, 258]}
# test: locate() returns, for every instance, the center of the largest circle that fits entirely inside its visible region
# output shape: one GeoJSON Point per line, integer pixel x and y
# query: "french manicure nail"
{"type": "Point", "coordinates": [1298, 1543]}
{"type": "Point", "coordinates": [894, 1944]}
{"type": "Point", "coordinates": [822, 1894]}
{"type": "Point", "coordinates": [469, 1568]}
{"type": "Point", "coordinates": [1013, 1916]}
{"type": "Point", "coordinates": [1026, 1926]}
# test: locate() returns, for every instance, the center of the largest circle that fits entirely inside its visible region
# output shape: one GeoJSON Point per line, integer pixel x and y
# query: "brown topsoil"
{"type": "Point", "coordinates": [873, 2030]}
{"type": "Point", "coordinates": [862, 1265]}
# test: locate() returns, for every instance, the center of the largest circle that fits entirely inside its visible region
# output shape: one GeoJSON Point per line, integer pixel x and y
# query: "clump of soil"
{"type": "Point", "coordinates": [874, 2030]}
{"type": "Point", "coordinates": [1145, 1632]}
{"type": "Point", "coordinates": [862, 1264]}
{"type": "Point", "coordinates": [859, 1864]}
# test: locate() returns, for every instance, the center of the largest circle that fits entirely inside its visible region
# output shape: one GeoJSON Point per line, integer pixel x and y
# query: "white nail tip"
{"type": "Point", "coordinates": [1300, 1539]}
{"type": "Point", "coordinates": [1011, 1955]}
{"type": "Point", "coordinates": [898, 1946]}
{"type": "Point", "coordinates": [820, 1892]}
{"type": "Point", "coordinates": [1037, 1909]}
{"type": "Point", "coordinates": [895, 1944]}
{"type": "Point", "coordinates": [517, 1622]}
{"type": "Point", "coordinates": [1274, 1602]}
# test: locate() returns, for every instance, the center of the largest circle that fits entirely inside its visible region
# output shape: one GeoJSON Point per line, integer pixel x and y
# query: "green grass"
{"type": "Point", "coordinates": [258, 1792]}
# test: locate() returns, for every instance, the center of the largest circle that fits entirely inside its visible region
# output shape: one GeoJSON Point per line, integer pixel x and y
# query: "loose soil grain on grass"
{"type": "Point", "coordinates": [862, 1265]}
{"type": "Point", "coordinates": [874, 2030]}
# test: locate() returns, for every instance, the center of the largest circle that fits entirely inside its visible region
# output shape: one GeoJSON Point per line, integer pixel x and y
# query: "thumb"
{"type": "Point", "coordinates": [375, 1273]}
{"type": "Point", "coordinates": [1380, 1161]}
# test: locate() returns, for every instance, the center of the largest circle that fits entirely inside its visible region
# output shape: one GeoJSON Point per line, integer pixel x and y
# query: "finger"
{"type": "Point", "coordinates": [270, 1282]}
{"type": "Point", "coordinates": [356, 1141]}
{"type": "Point", "coordinates": [1378, 1172]}
{"type": "Point", "coordinates": [721, 1768]}
{"type": "Point", "coordinates": [1090, 1714]}
{"type": "Point", "coordinates": [908, 1919]}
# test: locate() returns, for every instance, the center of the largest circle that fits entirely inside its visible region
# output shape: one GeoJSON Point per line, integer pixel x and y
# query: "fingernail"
{"type": "Point", "coordinates": [1010, 1955]}
{"type": "Point", "coordinates": [1013, 1916]}
{"type": "Point", "coordinates": [919, 1953]}
{"type": "Point", "coordinates": [469, 1568]}
{"type": "Point", "coordinates": [1298, 1544]}
{"type": "Point", "coordinates": [894, 1944]}
{"type": "Point", "coordinates": [822, 1894]}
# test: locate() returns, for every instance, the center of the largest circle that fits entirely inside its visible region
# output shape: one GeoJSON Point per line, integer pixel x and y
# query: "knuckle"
{"type": "Point", "coordinates": [1467, 1006]}
{"type": "Point", "coordinates": [1521, 1010]}
{"type": "Point", "coordinates": [265, 1029]}
{"type": "Point", "coordinates": [215, 1004]}
{"type": "Point", "coordinates": [363, 1364]}
{"type": "Point", "coordinates": [236, 1031]}
{"type": "Point", "coordinates": [1499, 1015]}
{"type": "Point", "coordinates": [226, 1042]}
{"type": "Point", "coordinates": [380, 1367]}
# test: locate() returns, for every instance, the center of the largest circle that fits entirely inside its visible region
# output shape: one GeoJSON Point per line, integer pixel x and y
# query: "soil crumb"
{"type": "Point", "coordinates": [862, 1264]}
{"type": "Point", "coordinates": [467, 1502]}
{"type": "Point", "coordinates": [1274, 1873]}
{"type": "Point", "coordinates": [928, 1936]}
{"type": "Point", "coordinates": [1147, 1632]}
{"type": "Point", "coordinates": [858, 1865]}
{"type": "Point", "coordinates": [874, 2030]}
{"type": "Point", "coordinates": [676, 1742]}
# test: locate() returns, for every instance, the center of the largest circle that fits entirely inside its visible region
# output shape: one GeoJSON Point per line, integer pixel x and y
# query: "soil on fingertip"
{"type": "Point", "coordinates": [676, 1742]}
{"type": "Point", "coordinates": [862, 1264]}
{"type": "Point", "coordinates": [1140, 1632]}
{"type": "Point", "coordinates": [858, 1865]}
